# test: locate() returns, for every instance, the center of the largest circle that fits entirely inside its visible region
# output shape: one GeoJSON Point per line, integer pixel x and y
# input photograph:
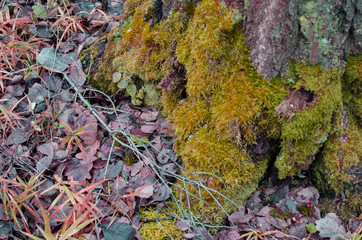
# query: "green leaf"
{"type": "Point", "coordinates": [40, 11]}
{"type": "Point", "coordinates": [118, 231]}
{"type": "Point", "coordinates": [131, 90]}
{"type": "Point", "coordinates": [139, 141]}
{"type": "Point", "coordinates": [311, 228]}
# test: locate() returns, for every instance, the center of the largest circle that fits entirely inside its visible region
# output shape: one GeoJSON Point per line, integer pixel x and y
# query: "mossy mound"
{"type": "Point", "coordinates": [313, 120]}
{"type": "Point", "coordinates": [196, 65]}
{"type": "Point", "coordinates": [338, 167]}
{"type": "Point", "coordinates": [158, 225]}
{"type": "Point", "coordinates": [352, 87]}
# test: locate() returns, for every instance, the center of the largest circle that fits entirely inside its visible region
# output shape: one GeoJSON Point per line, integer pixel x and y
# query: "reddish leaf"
{"type": "Point", "coordinates": [148, 128]}
{"type": "Point", "coordinates": [138, 133]}
{"type": "Point", "coordinates": [149, 116]}
{"type": "Point", "coordinates": [145, 191]}
{"type": "Point", "coordinates": [89, 156]}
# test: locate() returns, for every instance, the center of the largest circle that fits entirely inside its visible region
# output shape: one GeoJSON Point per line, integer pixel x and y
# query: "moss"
{"type": "Point", "coordinates": [345, 209]}
{"type": "Point", "coordinates": [158, 229]}
{"type": "Point", "coordinates": [97, 64]}
{"type": "Point", "coordinates": [227, 103]}
{"type": "Point", "coordinates": [130, 158]}
{"type": "Point", "coordinates": [224, 105]}
{"type": "Point", "coordinates": [152, 95]}
{"type": "Point", "coordinates": [352, 86]}
{"type": "Point", "coordinates": [337, 168]}
{"type": "Point", "coordinates": [279, 213]}
{"type": "Point", "coordinates": [304, 134]}
{"type": "Point", "coordinates": [100, 76]}
{"type": "Point", "coordinates": [306, 210]}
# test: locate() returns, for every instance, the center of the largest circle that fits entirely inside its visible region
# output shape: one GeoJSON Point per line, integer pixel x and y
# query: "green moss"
{"type": "Point", "coordinates": [345, 208]}
{"type": "Point", "coordinates": [159, 227]}
{"type": "Point", "coordinates": [152, 95]}
{"type": "Point", "coordinates": [337, 168]}
{"type": "Point", "coordinates": [305, 210]}
{"type": "Point", "coordinates": [279, 213]}
{"type": "Point", "coordinates": [227, 104]}
{"type": "Point", "coordinates": [352, 86]}
{"type": "Point", "coordinates": [100, 75]}
{"type": "Point", "coordinates": [304, 134]}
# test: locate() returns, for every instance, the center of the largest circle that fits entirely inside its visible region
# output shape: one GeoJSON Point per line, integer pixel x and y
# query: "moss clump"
{"type": "Point", "coordinates": [227, 104]}
{"type": "Point", "coordinates": [219, 106]}
{"type": "Point", "coordinates": [100, 75]}
{"type": "Point", "coordinates": [279, 213]}
{"type": "Point", "coordinates": [97, 61]}
{"type": "Point", "coordinates": [352, 87]}
{"type": "Point", "coordinates": [338, 167]}
{"type": "Point", "coordinates": [306, 210]}
{"type": "Point", "coordinates": [222, 112]}
{"type": "Point", "coordinates": [304, 133]}
{"type": "Point", "coordinates": [160, 227]}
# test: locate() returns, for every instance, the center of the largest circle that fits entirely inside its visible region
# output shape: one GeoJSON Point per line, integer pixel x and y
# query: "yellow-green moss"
{"type": "Point", "coordinates": [279, 213]}
{"type": "Point", "coordinates": [304, 134]}
{"type": "Point", "coordinates": [99, 69]}
{"type": "Point", "coordinates": [340, 159]}
{"type": "Point", "coordinates": [101, 76]}
{"type": "Point", "coordinates": [352, 86]}
{"type": "Point", "coordinates": [153, 230]}
{"type": "Point", "coordinates": [227, 104]}
{"type": "Point", "coordinates": [226, 100]}
{"type": "Point", "coordinates": [306, 210]}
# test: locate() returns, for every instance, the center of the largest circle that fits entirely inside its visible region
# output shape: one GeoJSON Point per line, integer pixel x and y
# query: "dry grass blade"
{"type": "Point", "coordinates": [9, 118]}
{"type": "Point", "coordinates": [66, 23]}
{"type": "Point", "coordinates": [73, 136]}
{"type": "Point", "coordinates": [257, 234]}
{"type": "Point", "coordinates": [76, 194]}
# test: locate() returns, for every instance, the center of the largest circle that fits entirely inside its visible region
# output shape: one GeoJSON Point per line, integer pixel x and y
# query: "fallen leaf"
{"type": "Point", "coordinates": [118, 231]}
{"type": "Point", "coordinates": [182, 225]}
{"type": "Point", "coordinates": [43, 163]}
{"type": "Point", "coordinates": [240, 217]}
{"type": "Point", "coordinates": [149, 116]}
{"type": "Point", "coordinates": [145, 191]}
{"type": "Point", "coordinates": [47, 148]}
{"type": "Point", "coordinates": [49, 59]}
{"type": "Point", "coordinates": [138, 133]}
{"type": "Point", "coordinates": [37, 93]}
{"type": "Point", "coordinates": [331, 226]}
{"type": "Point", "coordinates": [148, 128]}
{"type": "Point", "coordinates": [40, 11]}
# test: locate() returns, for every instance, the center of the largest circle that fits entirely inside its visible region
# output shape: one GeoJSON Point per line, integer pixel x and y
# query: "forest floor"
{"type": "Point", "coordinates": [77, 163]}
